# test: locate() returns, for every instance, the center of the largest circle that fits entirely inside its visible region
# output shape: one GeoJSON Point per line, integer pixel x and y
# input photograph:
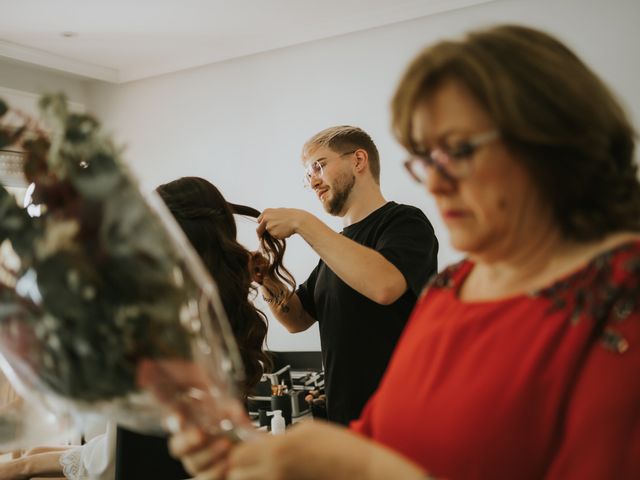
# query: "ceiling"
{"type": "Point", "coordinates": [124, 40]}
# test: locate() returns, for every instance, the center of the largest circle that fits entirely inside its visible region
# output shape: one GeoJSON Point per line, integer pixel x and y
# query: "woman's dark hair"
{"type": "Point", "coordinates": [551, 110]}
{"type": "Point", "coordinates": [207, 220]}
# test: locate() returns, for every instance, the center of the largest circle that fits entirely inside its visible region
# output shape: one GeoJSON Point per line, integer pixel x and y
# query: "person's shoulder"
{"type": "Point", "coordinates": [400, 212]}
{"type": "Point", "coordinates": [394, 208]}
{"type": "Point", "coordinates": [604, 268]}
{"type": "Point", "coordinates": [619, 262]}
{"type": "Point", "coordinates": [403, 207]}
{"type": "Point", "coordinates": [603, 293]}
{"type": "Point", "coordinates": [624, 262]}
{"type": "Point", "coordinates": [451, 276]}
{"type": "Point", "coordinates": [614, 291]}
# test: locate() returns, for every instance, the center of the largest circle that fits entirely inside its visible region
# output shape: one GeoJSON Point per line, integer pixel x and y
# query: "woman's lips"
{"type": "Point", "coordinates": [454, 214]}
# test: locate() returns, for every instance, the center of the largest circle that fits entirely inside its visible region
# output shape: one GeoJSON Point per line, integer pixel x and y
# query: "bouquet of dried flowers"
{"type": "Point", "coordinates": [102, 279]}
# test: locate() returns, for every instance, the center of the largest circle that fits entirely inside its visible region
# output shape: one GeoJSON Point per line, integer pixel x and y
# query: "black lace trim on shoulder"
{"type": "Point", "coordinates": [594, 293]}
{"type": "Point", "coordinates": [447, 278]}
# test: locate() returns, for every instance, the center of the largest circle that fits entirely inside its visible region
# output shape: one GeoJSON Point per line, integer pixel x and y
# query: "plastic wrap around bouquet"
{"type": "Point", "coordinates": [104, 306]}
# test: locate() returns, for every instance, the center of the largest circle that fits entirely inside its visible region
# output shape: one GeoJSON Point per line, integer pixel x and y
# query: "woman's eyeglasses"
{"type": "Point", "coordinates": [453, 161]}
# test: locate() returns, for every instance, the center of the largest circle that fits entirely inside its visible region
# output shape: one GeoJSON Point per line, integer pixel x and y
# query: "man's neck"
{"type": "Point", "coordinates": [362, 202]}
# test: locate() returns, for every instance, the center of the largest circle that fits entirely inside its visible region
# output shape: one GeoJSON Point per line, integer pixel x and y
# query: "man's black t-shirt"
{"type": "Point", "coordinates": [358, 335]}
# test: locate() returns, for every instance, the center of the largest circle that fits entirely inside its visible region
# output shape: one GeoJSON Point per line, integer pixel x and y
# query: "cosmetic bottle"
{"type": "Point", "coordinates": [277, 423]}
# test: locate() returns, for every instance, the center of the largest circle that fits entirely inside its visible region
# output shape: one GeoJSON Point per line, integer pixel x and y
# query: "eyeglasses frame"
{"type": "Point", "coordinates": [308, 175]}
{"type": "Point", "coordinates": [430, 159]}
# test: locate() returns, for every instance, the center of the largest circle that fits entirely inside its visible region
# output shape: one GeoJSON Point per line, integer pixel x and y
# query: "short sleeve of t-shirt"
{"type": "Point", "coordinates": [305, 293]}
{"type": "Point", "coordinates": [408, 242]}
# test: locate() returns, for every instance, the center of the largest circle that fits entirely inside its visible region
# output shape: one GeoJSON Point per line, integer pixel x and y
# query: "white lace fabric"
{"type": "Point", "coordinates": [72, 465]}
{"type": "Point", "coordinates": [93, 460]}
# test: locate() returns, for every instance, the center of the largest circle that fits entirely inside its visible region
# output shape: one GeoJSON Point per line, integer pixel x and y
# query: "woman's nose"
{"type": "Point", "coordinates": [437, 182]}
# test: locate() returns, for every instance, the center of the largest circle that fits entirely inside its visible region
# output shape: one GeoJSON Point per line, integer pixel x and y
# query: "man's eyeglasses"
{"type": "Point", "coordinates": [452, 160]}
{"type": "Point", "coordinates": [316, 169]}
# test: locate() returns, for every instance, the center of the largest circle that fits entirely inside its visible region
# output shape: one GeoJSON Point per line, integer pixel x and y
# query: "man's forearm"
{"type": "Point", "coordinates": [291, 314]}
{"type": "Point", "coordinates": [355, 264]}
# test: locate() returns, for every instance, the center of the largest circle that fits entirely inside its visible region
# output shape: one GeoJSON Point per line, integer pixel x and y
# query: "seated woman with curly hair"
{"type": "Point", "coordinates": [207, 220]}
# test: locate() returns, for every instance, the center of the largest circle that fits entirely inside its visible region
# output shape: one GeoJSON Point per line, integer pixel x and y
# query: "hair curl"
{"type": "Point", "coordinates": [272, 252]}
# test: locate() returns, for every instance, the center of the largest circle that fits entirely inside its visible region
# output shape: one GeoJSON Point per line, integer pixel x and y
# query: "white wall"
{"type": "Point", "coordinates": [26, 79]}
{"type": "Point", "coordinates": [241, 123]}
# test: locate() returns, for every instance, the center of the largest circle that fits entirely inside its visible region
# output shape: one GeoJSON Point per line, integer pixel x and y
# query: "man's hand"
{"type": "Point", "coordinates": [281, 222]}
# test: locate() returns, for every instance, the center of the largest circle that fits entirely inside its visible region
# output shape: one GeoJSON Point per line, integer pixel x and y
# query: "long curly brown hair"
{"type": "Point", "coordinates": [207, 220]}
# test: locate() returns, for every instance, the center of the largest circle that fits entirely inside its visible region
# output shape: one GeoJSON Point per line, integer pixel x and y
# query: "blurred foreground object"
{"type": "Point", "coordinates": [101, 281]}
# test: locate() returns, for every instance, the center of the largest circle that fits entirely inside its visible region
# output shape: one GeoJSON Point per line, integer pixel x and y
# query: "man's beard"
{"type": "Point", "coordinates": [341, 192]}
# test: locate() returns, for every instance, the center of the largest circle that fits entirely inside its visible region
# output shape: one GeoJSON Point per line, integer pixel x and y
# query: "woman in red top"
{"type": "Point", "coordinates": [522, 361]}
